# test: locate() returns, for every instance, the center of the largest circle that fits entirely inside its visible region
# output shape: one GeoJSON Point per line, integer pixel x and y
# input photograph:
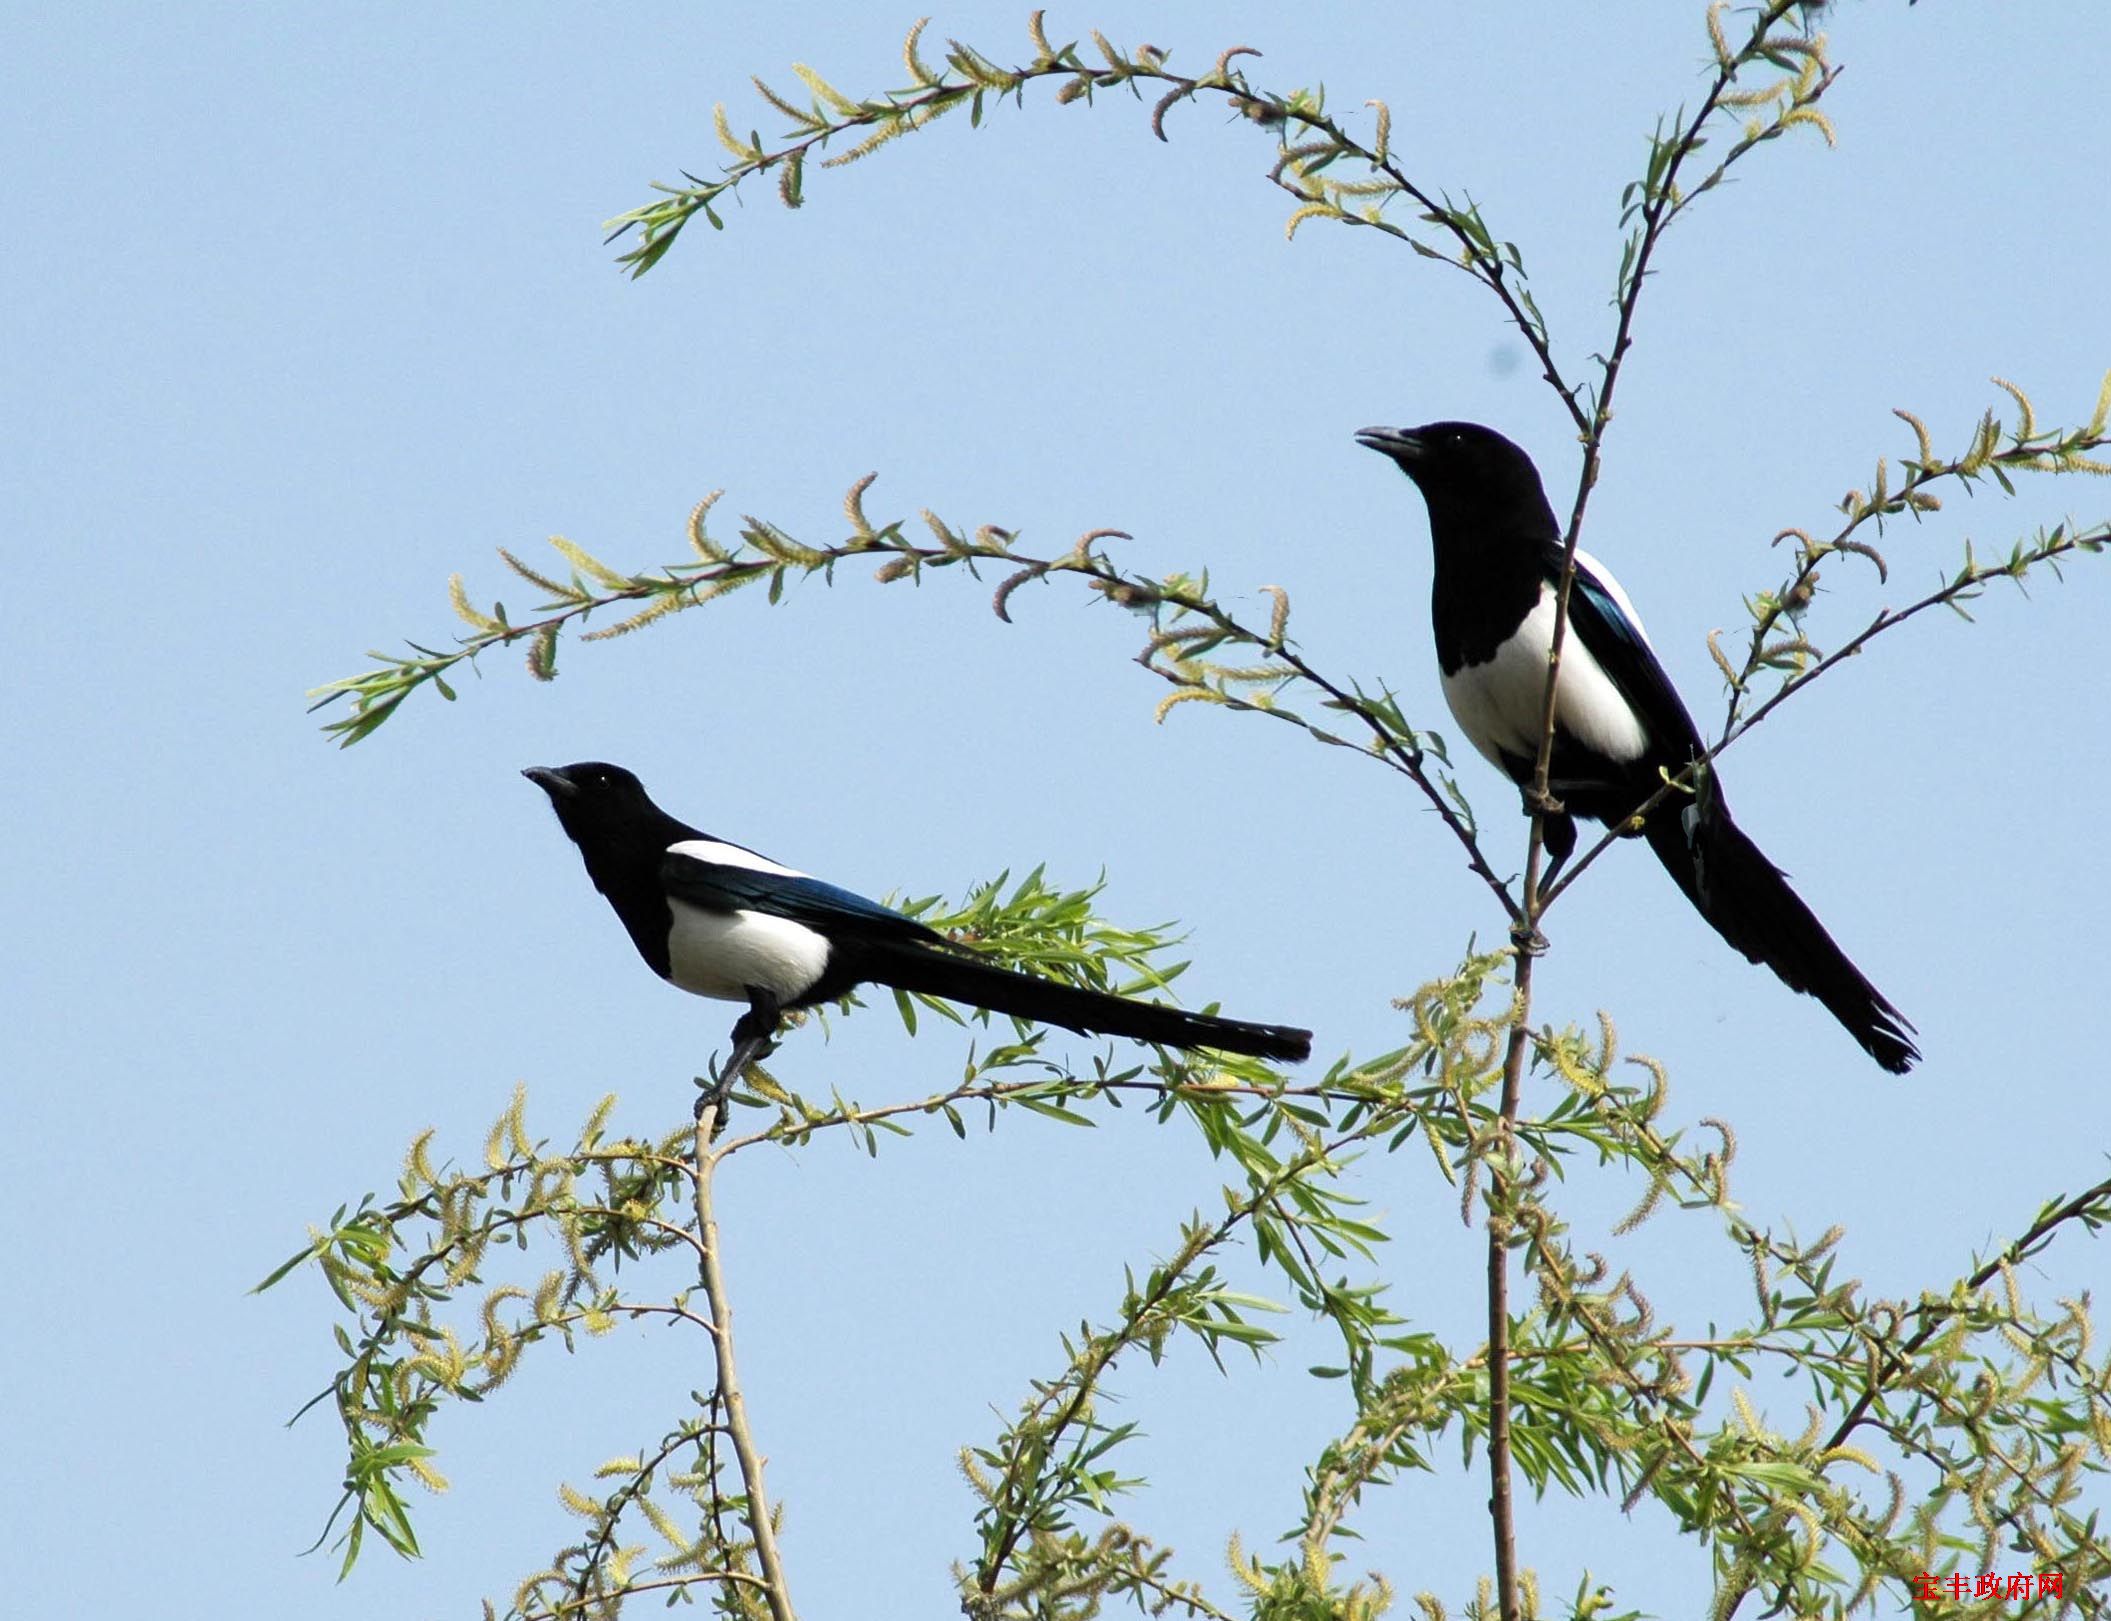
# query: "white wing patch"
{"type": "Point", "coordinates": [730, 855]}
{"type": "Point", "coordinates": [1497, 703]}
{"type": "Point", "coordinates": [1587, 564]}
{"type": "Point", "coordinates": [720, 954]}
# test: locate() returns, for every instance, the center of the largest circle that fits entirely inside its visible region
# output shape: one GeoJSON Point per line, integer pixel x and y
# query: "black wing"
{"type": "Point", "coordinates": [717, 887]}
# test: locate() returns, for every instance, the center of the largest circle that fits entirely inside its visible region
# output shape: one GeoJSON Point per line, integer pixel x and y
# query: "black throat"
{"type": "Point", "coordinates": [1490, 567]}
{"type": "Point", "coordinates": [624, 859]}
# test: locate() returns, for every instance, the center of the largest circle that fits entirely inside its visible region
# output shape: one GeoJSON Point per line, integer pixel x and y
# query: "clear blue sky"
{"type": "Point", "coordinates": [305, 308]}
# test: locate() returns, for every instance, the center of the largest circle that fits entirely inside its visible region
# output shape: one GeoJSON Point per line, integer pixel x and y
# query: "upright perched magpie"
{"type": "Point", "coordinates": [1618, 724]}
{"type": "Point", "coordinates": [719, 920]}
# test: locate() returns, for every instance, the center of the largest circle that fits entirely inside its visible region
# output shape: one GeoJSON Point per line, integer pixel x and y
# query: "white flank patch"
{"type": "Point", "coordinates": [1497, 703]}
{"type": "Point", "coordinates": [720, 954]}
{"type": "Point", "coordinates": [730, 855]}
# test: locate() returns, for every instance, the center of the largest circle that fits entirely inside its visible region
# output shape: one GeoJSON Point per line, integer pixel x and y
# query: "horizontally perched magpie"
{"type": "Point", "coordinates": [1618, 725]}
{"type": "Point", "coordinates": [718, 920]}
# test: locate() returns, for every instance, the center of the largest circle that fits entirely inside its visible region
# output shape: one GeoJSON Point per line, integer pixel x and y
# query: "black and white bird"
{"type": "Point", "coordinates": [718, 920]}
{"type": "Point", "coordinates": [1618, 723]}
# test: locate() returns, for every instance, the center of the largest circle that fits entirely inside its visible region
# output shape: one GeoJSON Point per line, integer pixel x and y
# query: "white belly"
{"type": "Point", "coordinates": [720, 954]}
{"type": "Point", "coordinates": [1497, 704]}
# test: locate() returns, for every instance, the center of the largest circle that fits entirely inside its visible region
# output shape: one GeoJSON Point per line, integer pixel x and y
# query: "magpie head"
{"type": "Point", "coordinates": [602, 806]}
{"type": "Point", "coordinates": [1467, 473]}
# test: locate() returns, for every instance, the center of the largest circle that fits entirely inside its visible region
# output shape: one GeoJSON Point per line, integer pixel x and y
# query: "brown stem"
{"type": "Point", "coordinates": [1657, 214]}
{"type": "Point", "coordinates": [1501, 1514]}
{"type": "Point", "coordinates": [714, 1280]}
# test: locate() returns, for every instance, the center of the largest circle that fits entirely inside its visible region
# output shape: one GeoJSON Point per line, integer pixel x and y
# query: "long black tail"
{"type": "Point", "coordinates": [959, 978]}
{"type": "Point", "coordinates": [1748, 902]}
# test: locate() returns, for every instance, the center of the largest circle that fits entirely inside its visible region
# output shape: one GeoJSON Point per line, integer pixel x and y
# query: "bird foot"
{"type": "Point", "coordinates": [1544, 804]}
{"type": "Point", "coordinates": [1528, 941]}
{"type": "Point", "coordinates": [749, 1046]}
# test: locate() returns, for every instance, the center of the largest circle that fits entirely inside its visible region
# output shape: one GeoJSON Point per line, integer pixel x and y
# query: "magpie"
{"type": "Point", "coordinates": [1619, 726]}
{"type": "Point", "coordinates": [719, 920]}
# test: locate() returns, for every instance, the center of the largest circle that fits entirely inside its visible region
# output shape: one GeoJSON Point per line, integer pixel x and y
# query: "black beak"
{"type": "Point", "coordinates": [551, 781]}
{"type": "Point", "coordinates": [1397, 443]}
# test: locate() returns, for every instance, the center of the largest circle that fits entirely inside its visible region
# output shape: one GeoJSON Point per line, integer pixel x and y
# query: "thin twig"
{"type": "Point", "coordinates": [1939, 1319]}
{"type": "Point", "coordinates": [602, 1544]}
{"type": "Point", "coordinates": [1661, 206]}
{"type": "Point", "coordinates": [682, 1584]}
{"type": "Point", "coordinates": [1100, 1350]}
{"type": "Point", "coordinates": [714, 1280]}
{"type": "Point", "coordinates": [1400, 755]}
{"type": "Point", "coordinates": [1500, 1511]}
{"type": "Point", "coordinates": [1936, 1317]}
{"type": "Point", "coordinates": [1961, 587]}
{"type": "Point", "coordinates": [1473, 258]}
{"type": "Point", "coordinates": [1657, 213]}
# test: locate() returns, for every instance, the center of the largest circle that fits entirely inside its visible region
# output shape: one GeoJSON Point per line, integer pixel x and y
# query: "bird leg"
{"type": "Point", "coordinates": [1557, 831]}
{"type": "Point", "coordinates": [754, 1038]}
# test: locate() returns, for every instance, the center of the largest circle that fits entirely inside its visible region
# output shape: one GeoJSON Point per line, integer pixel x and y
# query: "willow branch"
{"type": "Point", "coordinates": [666, 1584]}
{"type": "Point", "coordinates": [2094, 1199]}
{"type": "Point", "coordinates": [720, 1303]}
{"type": "Point", "coordinates": [1962, 587]}
{"type": "Point", "coordinates": [1660, 206]}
